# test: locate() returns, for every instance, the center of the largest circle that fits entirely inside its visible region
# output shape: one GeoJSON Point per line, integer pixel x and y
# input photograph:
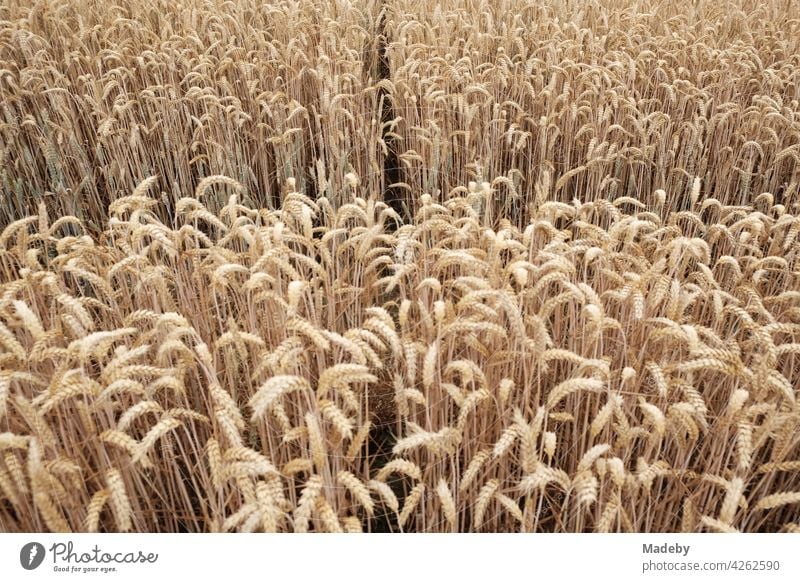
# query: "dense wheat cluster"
{"type": "Point", "coordinates": [400, 266]}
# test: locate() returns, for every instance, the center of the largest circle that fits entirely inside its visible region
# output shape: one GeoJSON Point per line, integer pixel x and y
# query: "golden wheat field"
{"type": "Point", "coordinates": [400, 266]}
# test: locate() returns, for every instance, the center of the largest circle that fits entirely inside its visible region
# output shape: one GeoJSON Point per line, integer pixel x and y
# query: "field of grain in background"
{"type": "Point", "coordinates": [471, 265]}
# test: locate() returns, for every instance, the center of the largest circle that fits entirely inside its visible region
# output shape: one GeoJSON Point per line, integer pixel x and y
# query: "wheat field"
{"type": "Point", "coordinates": [400, 266]}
